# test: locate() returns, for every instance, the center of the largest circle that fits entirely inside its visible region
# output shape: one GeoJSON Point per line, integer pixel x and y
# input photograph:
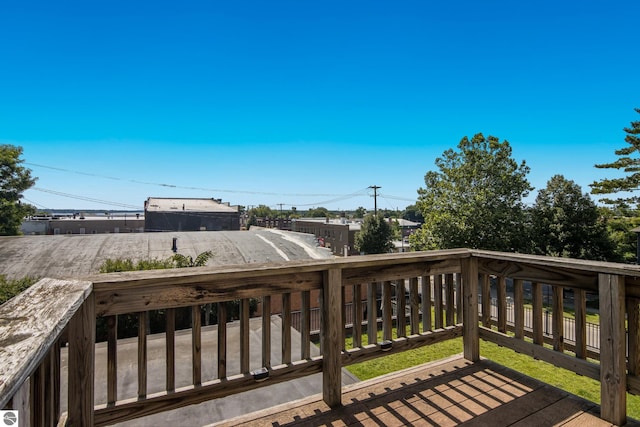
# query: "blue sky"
{"type": "Point", "coordinates": [306, 103]}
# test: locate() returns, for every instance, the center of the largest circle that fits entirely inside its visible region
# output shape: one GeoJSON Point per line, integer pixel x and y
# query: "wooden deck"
{"type": "Point", "coordinates": [446, 393]}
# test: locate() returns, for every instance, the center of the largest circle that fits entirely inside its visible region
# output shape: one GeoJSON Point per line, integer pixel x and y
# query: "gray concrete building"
{"type": "Point", "coordinates": [183, 214]}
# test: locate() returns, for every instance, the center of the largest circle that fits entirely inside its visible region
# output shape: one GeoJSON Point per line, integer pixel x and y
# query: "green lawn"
{"type": "Point", "coordinates": [566, 380]}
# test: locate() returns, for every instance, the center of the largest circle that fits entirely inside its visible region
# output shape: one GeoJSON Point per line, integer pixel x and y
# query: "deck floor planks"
{"type": "Point", "coordinates": [446, 393]}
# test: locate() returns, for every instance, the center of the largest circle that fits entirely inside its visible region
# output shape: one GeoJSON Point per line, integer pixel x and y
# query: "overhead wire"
{"type": "Point", "coordinates": [336, 197]}
{"type": "Point", "coordinates": [85, 198]}
{"type": "Point", "coordinates": [213, 190]}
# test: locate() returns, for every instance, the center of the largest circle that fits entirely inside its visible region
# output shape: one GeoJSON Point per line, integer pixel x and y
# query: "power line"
{"type": "Point", "coordinates": [404, 199]}
{"type": "Point", "coordinates": [85, 198]}
{"type": "Point", "coordinates": [211, 190]}
{"type": "Point", "coordinates": [336, 197]}
{"type": "Point", "coordinates": [36, 204]}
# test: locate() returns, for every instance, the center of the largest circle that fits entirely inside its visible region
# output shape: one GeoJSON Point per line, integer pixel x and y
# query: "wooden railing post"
{"type": "Point", "coordinates": [332, 328]}
{"type": "Point", "coordinates": [613, 379]}
{"type": "Point", "coordinates": [470, 327]}
{"type": "Point", "coordinates": [82, 342]}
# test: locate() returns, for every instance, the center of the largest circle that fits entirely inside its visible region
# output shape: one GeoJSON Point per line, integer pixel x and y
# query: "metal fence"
{"type": "Point", "coordinates": [592, 329]}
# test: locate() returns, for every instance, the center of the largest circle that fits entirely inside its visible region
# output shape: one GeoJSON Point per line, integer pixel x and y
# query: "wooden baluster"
{"type": "Point", "coordinates": [558, 318]}
{"type": "Point", "coordinates": [222, 340]}
{"type": "Point", "coordinates": [38, 407]}
{"type": "Point", "coordinates": [357, 316]}
{"type": "Point", "coordinates": [502, 304]}
{"type": "Point", "coordinates": [470, 328]}
{"type": "Point", "coordinates": [196, 345]}
{"type": "Point", "coordinates": [426, 303]}
{"type": "Point", "coordinates": [344, 318]}
{"type": "Point", "coordinates": [266, 331]}
{"type": "Point", "coordinates": [580, 304]}
{"type": "Point", "coordinates": [449, 292]}
{"type": "Point", "coordinates": [331, 337]}
{"type": "Point", "coordinates": [305, 351]}
{"type": "Point", "coordinates": [286, 328]}
{"type": "Point", "coordinates": [437, 301]}
{"type": "Point", "coordinates": [54, 379]}
{"type": "Point", "coordinates": [21, 402]}
{"type": "Point", "coordinates": [46, 387]}
{"type": "Point", "coordinates": [142, 355]}
{"type": "Point", "coordinates": [170, 349]}
{"type": "Point", "coordinates": [518, 308]}
{"type": "Point", "coordinates": [244, 336]}
{"type": "Point", "coordinates": [414, 308]}
{"type": "Point", "coordinates": [633, 321]}
{"type": "Point", "coordinates": [538, 332]}
{"type": "Point", "coordinates": [401, 309]}
{"type": "Point", "coordinates": [613, 378]}
{"type": "Point", "coordinates": [372, 314]}
{"type": "Point", "coordinates": [387, 311]}
{"type": "Point", "coordinates": [82, 341]}
{"type": "Point", "coordinates": [458, 298]}
{"type": "Point", "coordinates": [112, 360]}
{"type": "Point", "coordinates": [486, 301]}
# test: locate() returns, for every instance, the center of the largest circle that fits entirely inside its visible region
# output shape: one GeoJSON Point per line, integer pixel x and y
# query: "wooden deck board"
{"type": "Point", "coordinates": [446, 393]}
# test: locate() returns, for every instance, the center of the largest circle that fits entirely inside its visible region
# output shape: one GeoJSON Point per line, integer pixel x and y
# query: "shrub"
{"type": "Point", "coordinates": [11, 288]}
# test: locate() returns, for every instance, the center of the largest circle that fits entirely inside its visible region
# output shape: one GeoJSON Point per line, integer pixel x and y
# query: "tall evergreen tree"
{"type": "Point", "coordinates": [629, 162]}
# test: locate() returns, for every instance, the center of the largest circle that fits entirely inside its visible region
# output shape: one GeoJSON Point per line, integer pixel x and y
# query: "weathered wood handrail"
{"type": "Point", "coordinates": [31, 326]}
{"type": "Point", "coordinates": [454, 285]}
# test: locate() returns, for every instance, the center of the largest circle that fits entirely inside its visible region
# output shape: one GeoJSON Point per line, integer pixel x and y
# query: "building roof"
{"type": "Point", "coordinates": [160, 204]}
{"type": "Point", "coordinates": [406, 223]}
{"type": "Point", "coordinates": [76, 256]}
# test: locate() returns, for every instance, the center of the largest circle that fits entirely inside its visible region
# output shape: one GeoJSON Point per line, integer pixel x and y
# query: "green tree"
{"type": "Point", "coordinates": [624, 240]}
{"type": "Point", "coordinates": [14, 180]}
{"type": "Point", "coordinates": [360, 212]}
{"type": "Point", "coordinates": [262, 211]}
{"type": "Point", "coordinates": [629, 162]}
{"type": "Point", "coordinates": [412, 213]}
{"type": "Point", "coordinates": [475, 199]}
{"type": "Point", "coordinates": [375, 235]}
{"type": "Point", "coordinates": [318, 213]}
{"type": "Point", "coordinates": [567, 223]}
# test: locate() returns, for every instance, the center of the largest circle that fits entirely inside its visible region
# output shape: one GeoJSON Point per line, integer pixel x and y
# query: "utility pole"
{"type": "Point", "coordinates": [375, 198]}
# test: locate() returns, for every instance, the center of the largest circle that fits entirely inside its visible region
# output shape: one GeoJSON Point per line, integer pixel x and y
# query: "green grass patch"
{"type": "Point", "coordinates": [406, 359]}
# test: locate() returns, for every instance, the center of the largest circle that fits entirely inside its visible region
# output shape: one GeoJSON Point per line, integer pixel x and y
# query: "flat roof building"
{"type": "Point", "coordinates": [184, 214]}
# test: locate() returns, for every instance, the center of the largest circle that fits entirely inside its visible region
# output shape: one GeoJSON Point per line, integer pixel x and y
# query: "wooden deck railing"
{"type": "Point", "coordinates": [435, 296]}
